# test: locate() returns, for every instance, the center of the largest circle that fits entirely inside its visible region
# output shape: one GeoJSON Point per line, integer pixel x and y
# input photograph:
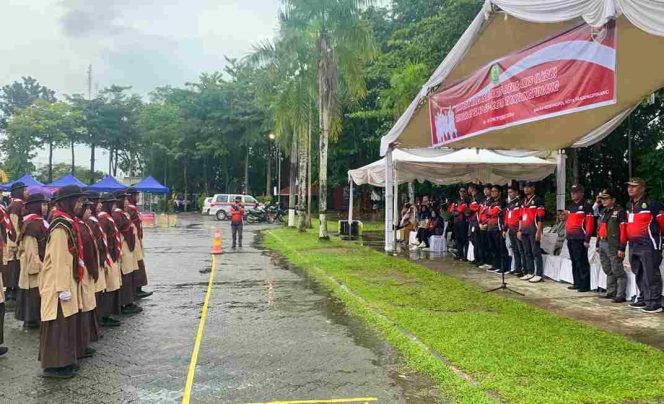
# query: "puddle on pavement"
{"type": "Point", "coordinates": [416, 388]}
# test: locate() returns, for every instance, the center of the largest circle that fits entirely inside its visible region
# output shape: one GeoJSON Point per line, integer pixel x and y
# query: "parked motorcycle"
{"type": "Point", "coordinates": [257, 215]}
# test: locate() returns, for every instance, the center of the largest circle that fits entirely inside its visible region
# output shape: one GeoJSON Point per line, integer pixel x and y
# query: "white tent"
{"type": "Point", "coordinates": [449, 166]}
{"type": "Point", "coordinates": [506, 26]}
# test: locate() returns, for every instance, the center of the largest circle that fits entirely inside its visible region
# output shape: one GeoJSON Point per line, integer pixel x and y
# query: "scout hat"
{"type": "Point", "coordinates": [93, 196]}
{"type": "Point", "coordinates": [121, 194]}
{"type": "Point", "coordinates": [132, 190]}
{"type": "Point", "coordinates": [69, 191]}
{"type": "Point", "coordinates": [17, 185]}
{"type": "Point", "coordinates": [36, 198]}
{"type": "Point", "coordinates": [636, 181]}
{"type": "Point", "coordinates": [108, 197]}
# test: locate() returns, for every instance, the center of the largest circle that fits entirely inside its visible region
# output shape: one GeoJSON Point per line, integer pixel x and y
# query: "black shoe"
{"type": "Point", "coordinates": [518, 274]}
{"type": "Point", "coordinates": [141, 294]}
{"type": "Point", "coordinates": [110, 322]}
{"type": "Point", "coordinates": [205, 270]}
{"type": "Point", "coordinates": [637, 305]}
{"type": "Point", "coordinates": [583, 290]}
{"type": "Point", "coordinates": [59, 373]}
{"type": "Point", "coordinates": [652, 310]}
{"type": "Point", "coordinates": [572, 287]}
{"type": "Point", "coordinates": [233, 246]}
{"type": "Point", "coordinates": [607, 296]}
{"type": "Point", "coordinates": [240, 245]}
{"type": "Point", "coordinates": [3, 350]}
{"type": "Point", "coordinates": [131, 309]}
{"type": "Point", "coordinates": [618, 300]}
{"type": "Point", "coordinates": [88, 353]}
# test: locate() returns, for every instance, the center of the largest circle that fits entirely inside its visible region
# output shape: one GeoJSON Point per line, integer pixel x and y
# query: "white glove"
{"type": "Point", "coordinates": [65, 296]}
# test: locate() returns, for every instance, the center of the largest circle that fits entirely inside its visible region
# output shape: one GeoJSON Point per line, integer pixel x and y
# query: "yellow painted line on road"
{"type": "Point", "coordinates": [199, 336]}
{"type": "Point", "coordinates": [331, 400]}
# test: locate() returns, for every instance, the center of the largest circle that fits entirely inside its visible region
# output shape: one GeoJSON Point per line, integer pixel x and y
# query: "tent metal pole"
{"type": "Point", "coordinates": [389, 200]}
{"type": "Point", "coordinates": [350, 201]}
{"type": "Point", "coordinates": [561, 178]}
{"type": "Point", "coordinates": [395, 209]}
{"type": "Point", "coordinates": [411, 192]}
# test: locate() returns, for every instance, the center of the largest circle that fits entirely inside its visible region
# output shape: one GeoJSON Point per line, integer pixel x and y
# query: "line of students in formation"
{"type": "Point", "coordinates": [69, 265]}
{"type": "Point", "coordinates": [486, 219]}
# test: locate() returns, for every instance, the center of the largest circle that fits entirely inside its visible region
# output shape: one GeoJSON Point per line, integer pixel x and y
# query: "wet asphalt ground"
{"type": "Point", "coordinates": [271, 334]}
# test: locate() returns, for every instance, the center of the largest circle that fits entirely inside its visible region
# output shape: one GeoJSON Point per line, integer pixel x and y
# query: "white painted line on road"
{"type": "Point", "coordinates": [331, 400]}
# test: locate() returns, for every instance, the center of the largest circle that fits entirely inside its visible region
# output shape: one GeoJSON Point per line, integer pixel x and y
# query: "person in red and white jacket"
{"type": "Point", "coordinates": [530, 233]}
{"type": "Point", "coordinates": [512, 214]}
{"type": "Point", "coordinates": [643, 231]}
{"type": "Point", "coordinates": [495, 227]}
{"type": "Point", "coordinates": [579, 229]}
{"type": "Point", "coordinates": [459, 211]}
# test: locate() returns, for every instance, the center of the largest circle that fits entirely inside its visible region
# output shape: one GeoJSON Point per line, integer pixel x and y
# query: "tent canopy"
{"type": "Point", "coordinates": [447, 166]}
{"type": "Point", "coordinates": [505, 26]}
{"type": "Point", "coordinates": [151, 185]}
{"type": "Point", "coordinates": [27, 179]}
{"type": "Point", "coordinates": [66, 180]}
{"type": "Point", "coordinates": [107, 184]}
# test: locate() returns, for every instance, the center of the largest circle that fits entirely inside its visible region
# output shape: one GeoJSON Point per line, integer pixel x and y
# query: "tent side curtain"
{"type": "Point", "coordinates": [107, 184]}
{"type": "Point", "coordinates": [490, 36]}
{"type": "Point", "coordinates": [446, 166]}
{"type": "Point", "coordinates": [151, 185]}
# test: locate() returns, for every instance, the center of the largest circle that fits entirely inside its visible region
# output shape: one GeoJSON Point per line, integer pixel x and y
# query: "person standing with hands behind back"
{"type": "Point", "coordinates": [237, 220]}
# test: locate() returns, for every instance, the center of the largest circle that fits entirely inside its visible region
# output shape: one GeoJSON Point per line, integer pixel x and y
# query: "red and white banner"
{"type": "Point", "coordinates": [573, 71]}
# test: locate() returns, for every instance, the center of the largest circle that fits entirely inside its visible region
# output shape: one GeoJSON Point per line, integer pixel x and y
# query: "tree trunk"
{"type": "Point", "coordinates": [302, 182]}
{"type": "Point", "coordinates": [324, 100]}
{"type": "Point", "coordinates": [73, 161]}
{"type": "Point", "coordinates": [115, 163]}
{"type": "Point", "coordinates": [246, 172]}
{"type": "Point", "coordinates": [110, 161]}
{"type": "Point", "coordinates": [185, 185]}
{"type": "Point", "coordinates": [291, 181]}
{"type": "Point", "coordinates": [50, 162]}
{"type": "Point", "coordinates": [92, 163]}
{"type": "Point", "coordinates": [309, 173]}
{"type": "Point", "coordinates": [268, 175]}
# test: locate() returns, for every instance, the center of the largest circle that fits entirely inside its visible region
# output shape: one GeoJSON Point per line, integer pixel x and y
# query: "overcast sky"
{"type": "Point", "coordinates": [138, 43]}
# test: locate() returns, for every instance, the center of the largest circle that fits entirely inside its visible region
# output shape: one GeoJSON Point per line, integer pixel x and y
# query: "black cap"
{"type": "Point", "coordinates": [108, 197]}
{"type": "Point", "coordinates": [36, 198]}
{"type": "Point", "coordinates": [93, 196]}
{"type": "Point", "coordinates": [607, 194]}
{"type": "Point", "coordinates": [530, 184]}
{"type": "Point", "coordinates": [68, 192]}
{"type": "Point", "coordinates": [514, 187]}
{"type": "Point", "coordinates": [121, 194]}
{"type": "Point", "coordinates": [17, 185]}
{"type": "Point", "coordinates": [238, 198]}
{"type": "Point", "coordinates": [577, 188]}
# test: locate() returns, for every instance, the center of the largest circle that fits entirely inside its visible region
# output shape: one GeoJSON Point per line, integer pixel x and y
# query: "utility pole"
{"type": "Point", "coordinates": [92, 137]}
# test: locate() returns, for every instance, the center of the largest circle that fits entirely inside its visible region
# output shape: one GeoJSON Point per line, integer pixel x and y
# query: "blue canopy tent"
{"type": "Point", "coordinates": [107, 184]}
{"type": "Point", "coordinates": [152, 186]}
{"type": "Point", "coordinates": [66, 180]}
{"type": "Point", "coordinates": [27, 179]}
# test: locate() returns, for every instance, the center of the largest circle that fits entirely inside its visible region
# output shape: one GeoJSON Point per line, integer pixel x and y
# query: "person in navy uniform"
{"type": "Point", "coordinates": [495, 227]}
{"type": "Point", "coordinates": [579, 229]}
{"type": "Point", "coordinates": [458, 210]}
{"type": "Point", "coordinates": [642, 230]}
{"type": "Point", "coordinates": [530, 233]}
{"type": "Point", "coordinates": [608, 242]}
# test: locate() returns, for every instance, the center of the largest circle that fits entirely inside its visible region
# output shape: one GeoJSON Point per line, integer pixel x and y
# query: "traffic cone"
{"type": "Point", "coordinates": [216, 243]}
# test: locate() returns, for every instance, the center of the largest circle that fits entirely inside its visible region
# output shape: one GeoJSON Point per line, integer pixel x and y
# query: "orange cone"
{"type": "Point", "coordinates": [216, 243]}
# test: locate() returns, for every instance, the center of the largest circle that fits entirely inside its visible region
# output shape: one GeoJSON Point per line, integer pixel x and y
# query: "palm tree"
{"type": "Point", "coordinates": [341, 45]}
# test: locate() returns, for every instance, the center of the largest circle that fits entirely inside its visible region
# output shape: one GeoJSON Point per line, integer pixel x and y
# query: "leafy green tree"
{"type": "Point", "coordinates": [20, 94]}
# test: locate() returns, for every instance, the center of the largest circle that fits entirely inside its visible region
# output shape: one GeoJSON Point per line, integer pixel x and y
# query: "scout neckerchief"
{"type": "Point", "coordinates": [116, 233]}
{"type": "Point", "coordinates": [137, 222]}
{"type": "Point", "coordinates": [93, 269]}
{"type": "Point", "coordinates": [7, 226]}
{"type": "Point", "coordinates": [107, 258]}
{"type": "Point", "coordinates": [35, 226]}
{"type": "Point", "coordinates": [74, 239]}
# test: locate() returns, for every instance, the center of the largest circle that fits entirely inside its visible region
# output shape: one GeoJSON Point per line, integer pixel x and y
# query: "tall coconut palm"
{"type": "Point", "coordinates": [342, 45]}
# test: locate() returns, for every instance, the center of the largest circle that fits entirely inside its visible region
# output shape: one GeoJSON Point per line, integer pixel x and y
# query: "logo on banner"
{"type": "Point", "coordinates": [445, 125]}
{"type": "Point", "coordinates": [495, 74]}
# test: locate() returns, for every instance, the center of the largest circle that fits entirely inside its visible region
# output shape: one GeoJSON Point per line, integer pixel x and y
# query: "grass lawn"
{"type": "Point", "coordinates": [516, 352]}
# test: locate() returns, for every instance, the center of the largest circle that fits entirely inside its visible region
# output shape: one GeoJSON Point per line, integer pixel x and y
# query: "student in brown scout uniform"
{"type": "Point", "coordinates": [59, 284]}
{"type": "Point", "coordinates": [88, 327]}
{"type": "Point", "coordinates": [10, 254]}
{"type": "Point", "coordinates": [31, 248]}
{"type": "Point", "coordinates": [128, 261]}
{"type": "Point", "coordinates": [111, 298]}
{"type": "Point", "coordinates": [6, 231]}
{"type": "Point", "coordinates": [140, 276]}
{"type": "Point", "coordinates": [3, 350]}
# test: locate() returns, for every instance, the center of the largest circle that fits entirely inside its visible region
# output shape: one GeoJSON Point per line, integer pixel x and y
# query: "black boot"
{"type": "Point", "coordinates": [109, 322]}
{"type": "Point", "coordinates": [131, 309]}
{"type": "Point", "coordinates": [88, 353]}
{"type": "Point", "coordinates": [3, 350]}
{"type": "Point", "coordinates": [59, 373]}
{"type": "Point", "coordinates": [141, 294]}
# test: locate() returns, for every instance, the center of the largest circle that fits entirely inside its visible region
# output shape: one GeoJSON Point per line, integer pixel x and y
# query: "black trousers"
{"type": "Point", "coordinates": [578, 253]}
{"type": "Point", "coordinates": [475, 239]}
{"type": "Point", "coordinates": [645, 261]}
{"type": "Point", "coordinates": [461, 237]}
{"type": "Point", "coordinates": [498, 250]}
{"type": "Point", "coordinates": [486, 253]}
{"type": "Point", "coordinates": [532, 252]}
{"type": "Point", "coordinates": [517, 251]}
{"type": "Point", "coordinates": [423, 235]}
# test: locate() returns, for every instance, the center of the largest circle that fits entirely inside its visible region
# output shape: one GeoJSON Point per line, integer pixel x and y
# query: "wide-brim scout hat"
{"type": "Point", "coordinates": [132, 191]}
{"type": "Point", "coordinates": [121, 194]}
{"type": "Point", "coordinates": [68, 192]}
{"type": "Point", "coordinates": [93, 196]}
{"type": "Point", "coordinates": [636, 181]}
{"type": "Point", "coordinates": [37, 198]}
{"type": "Point", "coordinates": [108, 197]}
{"type": "Point", "coordinates": [17, 185]}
